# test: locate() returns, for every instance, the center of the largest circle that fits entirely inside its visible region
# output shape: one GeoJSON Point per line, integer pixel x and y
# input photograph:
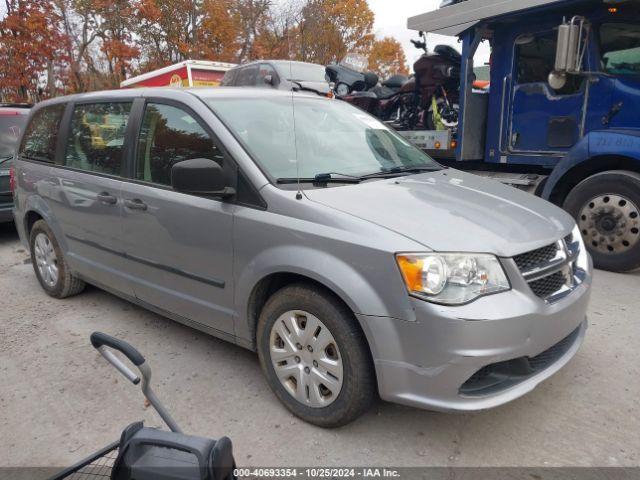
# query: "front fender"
{"type": "Point", "coordinates": [355, 289]}
{"type": "Point", "coordinates": [600, 143]}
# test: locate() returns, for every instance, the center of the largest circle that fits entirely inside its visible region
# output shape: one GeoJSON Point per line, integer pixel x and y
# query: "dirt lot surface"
{"type": "Point", "coordinates": [59, 400]}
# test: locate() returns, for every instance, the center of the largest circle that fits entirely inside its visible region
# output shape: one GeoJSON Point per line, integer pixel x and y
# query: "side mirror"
{"type": "Point", "coordinates": [269, 80]}
{"type": "Point", "coordinates": [570, 50]}
{"type": "Point", "coordinates": [557, 80]}
{"type": "Point", "coordinates": [201, 176]}
{"type": "Point", "coordinates": [571, 46]}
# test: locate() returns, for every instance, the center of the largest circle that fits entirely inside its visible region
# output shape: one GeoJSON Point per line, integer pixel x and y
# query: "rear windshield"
{"type": "Point", "coordinates": [11, 126]}
{"type": "Point", "coordinates": [302, 72]}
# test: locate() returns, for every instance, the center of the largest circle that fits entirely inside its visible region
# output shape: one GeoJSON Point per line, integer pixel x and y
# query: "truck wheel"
{"type": "Point", "coordinates": [50, 265]}
{"type": "Point", "coordinates": [314, 356]}
{"type": "Point", "coordinates": [606, 207]}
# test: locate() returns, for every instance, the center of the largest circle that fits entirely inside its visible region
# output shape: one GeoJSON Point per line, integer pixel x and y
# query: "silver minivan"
{"type": "Point", "coordinates": [302, 228]}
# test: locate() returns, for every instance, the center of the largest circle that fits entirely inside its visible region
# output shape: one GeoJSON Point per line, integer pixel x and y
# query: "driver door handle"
{"type": "Point", "coordinates": [135, 204]}
{"type": "Point", "coordinates": [106, 197]}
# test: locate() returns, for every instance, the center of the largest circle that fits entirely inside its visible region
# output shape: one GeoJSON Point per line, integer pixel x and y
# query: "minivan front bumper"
{"type": "Point", "coordinates": [476, 356]}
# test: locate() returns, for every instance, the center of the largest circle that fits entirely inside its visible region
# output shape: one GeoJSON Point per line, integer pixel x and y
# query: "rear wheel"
{"type": "Point", "coordinates": [49, 263]}
{"type": "Point", "coordinates": [314, 356]}
{"type": "Point", "coordinates": [606, 207]}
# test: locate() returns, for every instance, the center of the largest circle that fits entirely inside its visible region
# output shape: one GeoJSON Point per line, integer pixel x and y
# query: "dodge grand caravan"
{"type": "Point", "coordinates": [304, 229]}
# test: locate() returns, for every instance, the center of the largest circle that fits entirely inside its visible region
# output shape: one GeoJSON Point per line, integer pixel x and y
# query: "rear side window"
{"type": "Point", "coordinates": [170, 135]}
{"type": "Point", "coordinates": [41, 134]}
{"type": "Point", "coordinates": [228, 78]}
{"type": "Point", "coordinates": [96, 137]}
{"type": "Point", "coordinates": [246, 76]}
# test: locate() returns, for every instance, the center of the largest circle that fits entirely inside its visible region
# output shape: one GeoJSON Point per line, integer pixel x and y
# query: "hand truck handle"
{"type": "Point", "coordinates": [102, 341]}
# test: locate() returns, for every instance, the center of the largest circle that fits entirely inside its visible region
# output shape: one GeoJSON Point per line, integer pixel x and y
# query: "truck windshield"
{"type": "Point", "coordinates": [620, 45]}
{"type": "Point", "coordinates": [327, 136]}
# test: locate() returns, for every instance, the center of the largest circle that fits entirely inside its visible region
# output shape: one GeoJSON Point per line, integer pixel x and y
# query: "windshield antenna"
{"type": "Point", "coordinates": [293, 111]}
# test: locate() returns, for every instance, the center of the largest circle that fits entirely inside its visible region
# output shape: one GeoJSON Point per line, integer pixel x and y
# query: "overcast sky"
{"type": "Point", "coordinates": [391, 20]}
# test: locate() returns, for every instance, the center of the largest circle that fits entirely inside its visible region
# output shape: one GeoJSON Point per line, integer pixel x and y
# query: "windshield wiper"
{"type": "Point", "coordinates": [390, 172]}
{"type": "Point", "coordinates": [337, 177]}
{"type": "Point", "coordinates": [321, 178]}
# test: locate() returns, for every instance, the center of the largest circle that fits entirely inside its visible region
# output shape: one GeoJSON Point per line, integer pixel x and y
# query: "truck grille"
{"type": "Point", "coordinates": [549, 270]}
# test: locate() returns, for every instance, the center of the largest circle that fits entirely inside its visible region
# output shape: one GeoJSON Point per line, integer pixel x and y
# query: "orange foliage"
{"type": "Point", "coordinates": [31, 39]}
{"type": "Point", "coordinates": [387, 58]}
{"type": "Point", "coordinates": [57, 46]}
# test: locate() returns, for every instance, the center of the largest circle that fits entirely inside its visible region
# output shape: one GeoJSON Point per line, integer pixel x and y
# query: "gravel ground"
{"type": "Point", "coordinates": [59, 400]}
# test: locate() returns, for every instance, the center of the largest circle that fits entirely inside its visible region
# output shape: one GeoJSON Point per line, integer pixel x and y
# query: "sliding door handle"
{"type": "Point", "coordinates": [135, 204]}
{"type": "Point", "coordinates": [106, 197]}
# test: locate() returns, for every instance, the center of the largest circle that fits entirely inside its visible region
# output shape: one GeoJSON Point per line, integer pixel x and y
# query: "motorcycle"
{"type": "Point", "coordinates": [428, 100]}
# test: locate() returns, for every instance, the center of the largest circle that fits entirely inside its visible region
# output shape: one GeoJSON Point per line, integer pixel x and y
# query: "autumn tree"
{"type": "Point", "coordinates": [114, 25]}
{"type": "Point", "coordinates": [31, 36]}
{"type": "Point", "coordinates": [387, 58]}
{"type": "Point", "coordinates": [329, 29]}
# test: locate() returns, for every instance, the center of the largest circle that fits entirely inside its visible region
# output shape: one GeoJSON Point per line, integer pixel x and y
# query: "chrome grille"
{"type": "Point", "coordinates": [549, 285]}
{"type": "Point", "coordinates": [535, 258]}
{"type": "Point", "coordinates": [549, 270]}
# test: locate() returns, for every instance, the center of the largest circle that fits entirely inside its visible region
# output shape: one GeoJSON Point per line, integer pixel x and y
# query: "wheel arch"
{"type": "Point", "coordinates": [282, 266]}
{"type": "Point", "coordinates": [267, 286]}
{"type": "Point", "coordinates": [557, 189]}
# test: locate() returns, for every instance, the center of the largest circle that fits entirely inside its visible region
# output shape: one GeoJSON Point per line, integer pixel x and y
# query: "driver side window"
{"type": "Point", "coordinates": [535, 60]}
{"type": "Point", "coordinates": [170, 135]}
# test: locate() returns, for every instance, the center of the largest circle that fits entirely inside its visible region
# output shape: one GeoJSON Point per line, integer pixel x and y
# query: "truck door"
{"type": "Point", "coordinates": [541, 119]}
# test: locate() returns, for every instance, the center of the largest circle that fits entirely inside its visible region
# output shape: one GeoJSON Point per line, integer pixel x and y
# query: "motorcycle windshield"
{"type": "Point", "coordinates": [355, 61]}
{"type": "Point", "coordinates": [306, 137]}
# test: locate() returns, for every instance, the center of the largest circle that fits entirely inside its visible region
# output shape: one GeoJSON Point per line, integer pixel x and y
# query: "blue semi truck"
{"type": "Point", "coordinates": [561, 117]}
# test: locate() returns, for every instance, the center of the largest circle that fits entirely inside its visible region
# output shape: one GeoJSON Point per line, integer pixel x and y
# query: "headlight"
{"type": "Point", "coordinates": [452, 278]}
{"type": "Point", "coordinates": [583, 257]}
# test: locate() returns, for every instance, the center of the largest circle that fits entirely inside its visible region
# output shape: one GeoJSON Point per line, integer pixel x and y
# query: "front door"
{"type": "Point", "coordinates": [178, 247]}
{"type": "Point", "coordinates": [542, 120]}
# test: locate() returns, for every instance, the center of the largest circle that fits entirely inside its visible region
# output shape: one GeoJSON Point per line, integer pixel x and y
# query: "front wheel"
{"type": "Point", "coordinates": [314, 356]}
{"type": "Point", "coordinates": [606, 207]}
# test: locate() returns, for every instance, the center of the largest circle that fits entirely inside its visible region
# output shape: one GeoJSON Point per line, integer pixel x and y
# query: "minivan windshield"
{"type": "Point", "coordinates": [328, 137]}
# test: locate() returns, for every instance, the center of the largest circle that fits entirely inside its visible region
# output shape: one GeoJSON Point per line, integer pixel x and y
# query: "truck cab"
{"type": "Point", "coordinates": [562, 106]}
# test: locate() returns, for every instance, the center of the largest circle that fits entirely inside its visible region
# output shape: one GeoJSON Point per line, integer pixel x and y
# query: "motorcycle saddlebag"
{"type": "Point", "coordinates": [151, 454]}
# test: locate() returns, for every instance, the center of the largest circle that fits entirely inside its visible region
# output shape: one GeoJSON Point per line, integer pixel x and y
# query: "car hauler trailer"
{"type": "Point", "coordinates": [189, 73]}
{"type": "Point", "coordinates": [561, 117]}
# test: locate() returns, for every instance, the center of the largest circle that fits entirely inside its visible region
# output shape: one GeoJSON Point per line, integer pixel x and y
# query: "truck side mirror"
{"type": "Point", "coordinates": [569, 52]}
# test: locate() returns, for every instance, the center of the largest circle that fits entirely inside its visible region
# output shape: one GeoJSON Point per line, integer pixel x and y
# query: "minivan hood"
{"type": "Point", "coordinates": [453, 211]}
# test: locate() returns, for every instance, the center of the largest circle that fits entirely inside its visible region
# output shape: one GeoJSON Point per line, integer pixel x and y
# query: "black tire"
{"type": "Point", "coordinates": [67, 284]}
{"type": "Point", "coordinates": [359, 382]}
{"type": "Point", "coordinates": [615, 182]}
